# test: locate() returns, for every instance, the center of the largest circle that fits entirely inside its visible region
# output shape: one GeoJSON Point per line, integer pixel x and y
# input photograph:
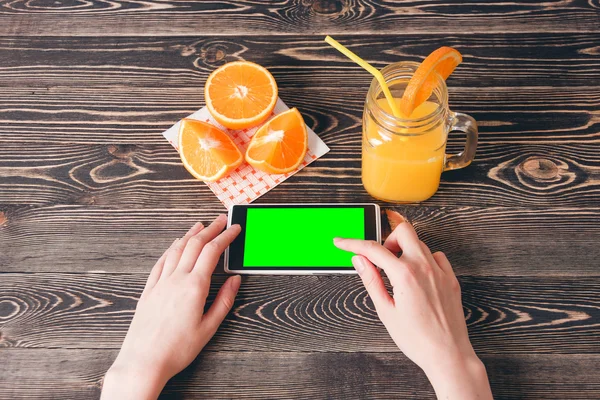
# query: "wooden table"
{"type": "Point", "coordinates": [91, 194]}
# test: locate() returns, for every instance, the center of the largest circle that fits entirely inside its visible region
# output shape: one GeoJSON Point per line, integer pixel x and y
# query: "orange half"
{"type": "Point", "coordinates": [207, 152]}
{"type": "Point", "coordinates": [240, 94]}
{"type": "Point", "coordinates": [280, 145]}
{"type": "Point", "coordinates": [442, 61]}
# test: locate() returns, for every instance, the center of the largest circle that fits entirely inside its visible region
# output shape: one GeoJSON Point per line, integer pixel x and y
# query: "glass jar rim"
{"type": "Point", "coordinates": [375, 88]}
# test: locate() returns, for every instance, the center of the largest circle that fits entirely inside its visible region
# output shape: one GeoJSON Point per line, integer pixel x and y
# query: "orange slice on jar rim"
{"type": "Point", "coordinates": [240, 94]}
{"type": "Point", "coordinates": [280, 145]}
{"type": "Point", "coordinates": [207, 152]}
{"type": "Point", "coordinates": [442, 61]}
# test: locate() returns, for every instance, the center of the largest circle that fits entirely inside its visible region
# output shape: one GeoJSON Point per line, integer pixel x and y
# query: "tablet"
{"type": "Point", "coordinates": [297, 239]}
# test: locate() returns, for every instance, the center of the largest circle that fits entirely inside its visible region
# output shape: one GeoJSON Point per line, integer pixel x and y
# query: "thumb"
{"type": "Point", "coordinates": [371, 278]}
{"type": "Point", "coordinates": [221, 306]}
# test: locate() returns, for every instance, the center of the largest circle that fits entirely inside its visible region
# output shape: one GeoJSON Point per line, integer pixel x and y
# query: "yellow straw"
{"type": "Point", "coordinates": [374, 71]}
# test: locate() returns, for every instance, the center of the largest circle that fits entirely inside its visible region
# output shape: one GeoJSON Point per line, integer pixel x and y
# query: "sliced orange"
{"type": "Point", "coordinates": [240, 94]}
{"type": "Point", "coordinates": [443, 61]}
{"type": "Point", "coordinates": [280, 145]}
{"type": "Point", "coordinates": [207, 152]}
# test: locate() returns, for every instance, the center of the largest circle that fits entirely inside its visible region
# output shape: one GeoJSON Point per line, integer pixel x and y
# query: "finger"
{"type": "Point", "coordinates": [211, 253]}
{"type": "Point", "coordinates": [424, 247]}
{"type": "Point", "coordinates": [374, 252]}
{"type": "Point", "coordinates": [221, 306]}
{"type": "Point", "coordinates": [402, 239]}
{"type": "Point", "coordinates": [441, 260]}
{"type": "Point", "coordinates": [197, 243]}
{"type": "Point", "coordinates": [373, 282]}
{"type": "Point", "coordinates": [394, 218]}
{"type": "Point", "coordinates": [428, 256]}
{"type": "Point", "coordinates": [175, 253]}
{"type": "Point", "coordinates": [157, 269]}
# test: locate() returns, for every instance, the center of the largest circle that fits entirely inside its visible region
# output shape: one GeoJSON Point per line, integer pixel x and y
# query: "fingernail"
{"type": "Point", "coordinates": [199, 225]}
{"type": "Point", "coordinates": [337, 240]}
{"type": "Point", "coordinates": [394, 218]}
{"type": "Point", "coordinates": [222, 216]}
{"type": "Point", "coordinates": [236, 281]}
{"type": "Point", "coordinates": [194, 227]}
{"type": "Point", "coordinates": [359, 264]}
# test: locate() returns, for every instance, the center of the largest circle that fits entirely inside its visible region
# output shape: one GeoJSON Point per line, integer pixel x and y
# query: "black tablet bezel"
{"type": "Point", "coordinates": [238, 215]}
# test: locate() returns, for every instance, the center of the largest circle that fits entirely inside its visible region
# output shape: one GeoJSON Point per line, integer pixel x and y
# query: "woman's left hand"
{"type": "Point", "coordinates": [170, 327]}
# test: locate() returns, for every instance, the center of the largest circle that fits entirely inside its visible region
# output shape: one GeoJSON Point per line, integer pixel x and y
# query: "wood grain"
{"type": "Point", "coordinates": [137, 115]}
{"type": "Point", "coordinates": [152, 176]}
{"type": "Point", "coordinates": [490, 60]}
{"type": "Point", "coordinates": [483, 241]}
{"type": "Point", "coordinates": [519, 161]}
{"type": "Point", "coordinates": [90, 193]}
{"type": "Point", "coordinates": [507, 315]}
{"type": "Point", "coordinates": [250, 375]}
{"type": "Point", "coordinates": [152, 17]}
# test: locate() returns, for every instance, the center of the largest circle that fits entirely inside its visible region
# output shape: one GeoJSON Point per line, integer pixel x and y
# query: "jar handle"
{"type": "Point", "coordinates": [463, 123]}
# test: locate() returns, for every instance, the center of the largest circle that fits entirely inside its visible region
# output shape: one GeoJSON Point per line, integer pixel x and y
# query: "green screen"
{"type": "Point", "coordinates": [300, 237]}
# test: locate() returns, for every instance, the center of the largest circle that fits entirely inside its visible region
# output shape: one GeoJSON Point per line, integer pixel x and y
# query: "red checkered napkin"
{"type": "Point", "coordinates": [246, 184]}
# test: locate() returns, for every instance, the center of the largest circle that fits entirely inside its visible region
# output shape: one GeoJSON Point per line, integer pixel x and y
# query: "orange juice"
{"type": "Point", "coordinates": [403, 165]}
{"type": "Point", "coordinates": [405, 124]}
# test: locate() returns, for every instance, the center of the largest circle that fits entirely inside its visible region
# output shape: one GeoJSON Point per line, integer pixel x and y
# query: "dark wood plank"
{"type": "Point", "coordinates": [376, 376]}
{"type": "Point", "coordinates": [492, 241]}
{"type": "Point", "coordinates": [87, 184]}
{"type": "Point", "coordinates": [507, 315]}
{"type": "Point", "coordinates": [137, 115]}
{"type": "Point", "coordinates": [519, 162]}
{"type": "Point", "coordinates": [248, 375]}
{"type": "Point", "coordinates": [490, 60]}
{"type": "Point", "coordinates": [151, 18]}
{"type": "Point", "coordinates": [152, 176]}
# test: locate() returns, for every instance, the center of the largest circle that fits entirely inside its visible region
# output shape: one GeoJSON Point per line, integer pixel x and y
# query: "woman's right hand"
{"type": "Point", "coordinates": [424, 316]}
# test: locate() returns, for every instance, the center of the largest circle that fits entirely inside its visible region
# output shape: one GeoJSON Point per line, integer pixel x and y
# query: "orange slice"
{"type": "Point", "coordinates": [280, 145]}
{"type": "Point", "coordinates": [207, 152]}
{"type": "Point", "coordinates": [240, 94]}
{"type": "Point", "coordinates": [443, 61]}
